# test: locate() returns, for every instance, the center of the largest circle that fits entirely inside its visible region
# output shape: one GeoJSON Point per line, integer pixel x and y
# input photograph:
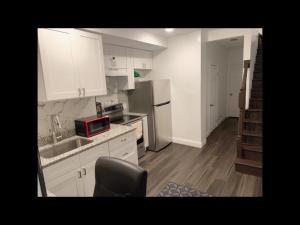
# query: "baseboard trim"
{"type": "Point", "coordinates": [196, 144]}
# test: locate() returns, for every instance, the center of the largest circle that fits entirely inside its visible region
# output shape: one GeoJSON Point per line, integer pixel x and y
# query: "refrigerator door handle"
{"type": "Point", "coordinates": [164, 103]}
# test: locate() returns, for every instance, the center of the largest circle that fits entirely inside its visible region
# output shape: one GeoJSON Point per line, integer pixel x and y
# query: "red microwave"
{"type": "Point", "coordinates": [90, 126]}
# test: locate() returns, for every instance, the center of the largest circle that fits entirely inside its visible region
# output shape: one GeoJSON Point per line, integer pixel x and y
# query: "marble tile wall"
{"type": "Point", "coordinates": [69, 110]}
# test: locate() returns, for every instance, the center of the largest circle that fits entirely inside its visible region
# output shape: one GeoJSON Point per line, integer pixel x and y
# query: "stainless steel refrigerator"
{"type": "Point", "coordinates": [153, 98]}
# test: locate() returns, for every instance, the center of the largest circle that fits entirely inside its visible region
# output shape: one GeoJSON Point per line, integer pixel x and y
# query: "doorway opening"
{"type": "Point", "coordinates": [224, 78]}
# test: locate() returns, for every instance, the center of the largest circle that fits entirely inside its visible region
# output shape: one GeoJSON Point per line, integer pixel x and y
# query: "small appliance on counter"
{"type": "Point", "coordinates": [99, 108]}
{"type": "Point", "coordinates": [91, 126]}
{"type": "Point", "coordinates": [115, 113]}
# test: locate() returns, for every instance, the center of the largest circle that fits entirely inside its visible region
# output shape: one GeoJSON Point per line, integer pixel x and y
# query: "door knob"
{"type": "Point", "coordinates": [230, 94]}
{"type": "Point", "coordinates": [211, 105]}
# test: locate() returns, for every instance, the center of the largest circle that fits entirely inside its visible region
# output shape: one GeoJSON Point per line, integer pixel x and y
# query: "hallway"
{"type": "Point", "coordinates": [209, 169]}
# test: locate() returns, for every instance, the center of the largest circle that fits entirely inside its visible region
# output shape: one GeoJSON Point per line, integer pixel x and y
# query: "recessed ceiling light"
{"type": "Point", "coordinates": [169, 29]}
{"type": "Point", "coordinates": [233, 39]}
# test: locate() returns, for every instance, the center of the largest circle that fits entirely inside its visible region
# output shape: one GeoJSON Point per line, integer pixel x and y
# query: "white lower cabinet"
{"type": "Point", "coordinates": [67, 185]}
{"type": "Point", "coordinates": [89, 178]}
{"type": "Point", "coordinates": [124, 147]}
{"type": "Point", "coordinates": [75, 176]}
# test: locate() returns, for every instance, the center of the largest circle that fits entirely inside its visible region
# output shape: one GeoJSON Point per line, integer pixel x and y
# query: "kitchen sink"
{"type": "Point", "coordinates": [61, 148]}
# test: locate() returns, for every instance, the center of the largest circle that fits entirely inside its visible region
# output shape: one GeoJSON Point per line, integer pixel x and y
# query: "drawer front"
{"type": "Point", "coordinates": [122, 140]}
{"type": "Point", "coordinates": [94, 153]}
{"type": "Point", "coordinates": [124, 150]}
{"type": "Point", "coordinates": [133, 158]}
{"type": "Point", "coordinates": [60, 168]}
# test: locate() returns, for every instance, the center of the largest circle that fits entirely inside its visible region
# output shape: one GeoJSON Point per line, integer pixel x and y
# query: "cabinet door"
{"type": "Point", "coordinates": [88, 171]}
{"type": "Point", "coordinates": [133, 158]}
{"type": "Point", "coordinates": [115, 56]}
{"type": "Point", "coordinates": [69, 184]}
{"type": "Point", "coordinates": [58, 68]}
{"type": "Point", "coordinates": [142, 59]}
{"type": "Point", "coordinates": [88, 161]}
{"type": "Point", "coordinates": [88, 56]}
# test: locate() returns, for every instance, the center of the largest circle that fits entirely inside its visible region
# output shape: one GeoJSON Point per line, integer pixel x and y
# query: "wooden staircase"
{"type": "Point", "coordinates": [249, 143]}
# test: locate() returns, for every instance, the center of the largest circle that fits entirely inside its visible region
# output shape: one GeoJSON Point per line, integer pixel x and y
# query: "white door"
{"type": "Point", "coordinates": [234, 81]}
{"type": "Point", "coordinates": [212, 98]}
{"type": "Point", "coordinates": [69, 184]}
{"type": "Point", "coordinates": [88, 55]}
{"type": "Point", "coordinates": [58, 68]}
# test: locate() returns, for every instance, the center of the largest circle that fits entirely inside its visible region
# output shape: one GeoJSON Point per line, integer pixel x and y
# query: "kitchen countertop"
{"type": "Point", "coordinates": [115, 131]}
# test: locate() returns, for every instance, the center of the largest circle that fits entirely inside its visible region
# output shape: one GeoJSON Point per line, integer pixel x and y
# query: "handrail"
{"type": "Point", "coordinates": [242, 105]}
{"type": "Point", "coordinates": [242, 94]}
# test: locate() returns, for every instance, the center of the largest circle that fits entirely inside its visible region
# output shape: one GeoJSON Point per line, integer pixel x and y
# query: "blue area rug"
{"type": "Point", "coordinates": [176, 190]}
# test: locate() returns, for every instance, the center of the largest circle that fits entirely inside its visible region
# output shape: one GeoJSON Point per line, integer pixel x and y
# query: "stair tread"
{"type": "Point", "coordinates": [247, 162]}
{"type": "Point", "coordinates": [255, 148]}
{"type": "Point", "coordinates": [252, 121]}
{"type": "Point", "coordinates": [249, 133]}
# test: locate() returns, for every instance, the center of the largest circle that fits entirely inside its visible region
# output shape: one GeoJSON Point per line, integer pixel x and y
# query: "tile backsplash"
{"type": "Point", "coordinates": [69, 110]}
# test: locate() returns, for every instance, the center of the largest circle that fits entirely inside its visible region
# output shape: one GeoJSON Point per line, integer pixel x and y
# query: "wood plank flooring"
{"type": "Point", "coordinates": [209, 169]}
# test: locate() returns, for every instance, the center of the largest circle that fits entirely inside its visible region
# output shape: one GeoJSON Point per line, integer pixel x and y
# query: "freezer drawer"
{"type": "Point", "coordinates": [163, 125]}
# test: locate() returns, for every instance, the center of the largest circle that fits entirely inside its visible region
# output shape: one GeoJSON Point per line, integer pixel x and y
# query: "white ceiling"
{"type": "Point", "coordinates": [230, 44]}
{"type": "Point", "coordinates": [163, 33]}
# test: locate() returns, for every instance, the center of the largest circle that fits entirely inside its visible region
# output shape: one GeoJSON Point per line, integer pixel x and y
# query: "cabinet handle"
{"type": "Point", "coordinates": [79, 174]}
{"type": "Point", "coordinates": [124, 139]}
{"type": "Point", "coordinates": [125, 154]}
{"type": "Point", "coordinates": [84, 171]}
{"type": "Point", "coordinates": [83, 90]}
{"type": "Point", "coordinates": [79, 90]}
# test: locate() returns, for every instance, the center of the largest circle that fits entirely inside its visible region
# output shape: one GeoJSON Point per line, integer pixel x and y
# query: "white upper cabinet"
{"type": "Point", "coordinates": [90, 65]}
{"type": "Point", "coordinates": [56, 64]}
{"type": "Point", "coordinates": [142, 59]}
{"type": "Point", "coordinates": [70, 64]}
{"type": "Point", "coordinates": [115, 60]}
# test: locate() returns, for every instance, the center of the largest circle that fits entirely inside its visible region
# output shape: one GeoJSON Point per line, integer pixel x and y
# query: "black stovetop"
{"type": "Point", "coordinates": [125, 119]}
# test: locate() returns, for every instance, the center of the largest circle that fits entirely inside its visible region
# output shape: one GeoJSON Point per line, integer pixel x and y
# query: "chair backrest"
{"type": "Point", "coordinates": [119, 178]}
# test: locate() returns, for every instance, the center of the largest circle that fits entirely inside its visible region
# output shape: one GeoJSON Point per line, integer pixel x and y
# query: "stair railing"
{"type": "Point", "coordinates": [242, 106]}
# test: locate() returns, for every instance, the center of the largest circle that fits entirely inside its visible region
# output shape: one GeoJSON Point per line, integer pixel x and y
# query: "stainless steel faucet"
{"type": "Point", "coordinates": [56, 123]}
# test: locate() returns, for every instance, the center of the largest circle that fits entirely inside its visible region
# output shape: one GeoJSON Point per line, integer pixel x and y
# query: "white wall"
{"type": "Point", "coordinates": [181, 63]}
{"type": "Point", "coordinates": [218, 34]}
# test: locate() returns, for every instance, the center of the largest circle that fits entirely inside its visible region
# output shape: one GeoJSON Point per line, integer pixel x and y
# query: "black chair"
{"type": "Point", "coordinates": [119, 178]}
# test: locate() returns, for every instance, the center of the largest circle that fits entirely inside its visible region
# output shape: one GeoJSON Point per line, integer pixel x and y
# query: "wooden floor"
{"type": "Point", "coordinates": [209, 169]}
